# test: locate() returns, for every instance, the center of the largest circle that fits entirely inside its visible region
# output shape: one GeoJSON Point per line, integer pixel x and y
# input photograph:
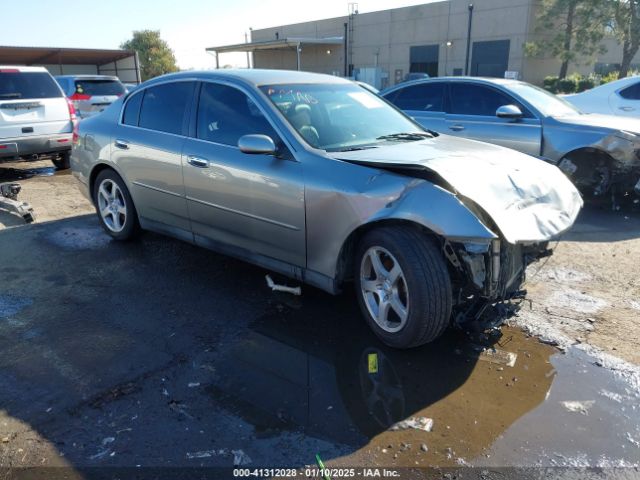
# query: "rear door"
{"type": "Point", "coordinates": [471, 113]}
{"type": "Point", "coordinates": [147, 147]}
{"type": "Point", "coordinates": [424, 102]}
{"type": "Point", "coordinates": [251, 203]}
{"type": "Point", "coordinates": [31, 103]}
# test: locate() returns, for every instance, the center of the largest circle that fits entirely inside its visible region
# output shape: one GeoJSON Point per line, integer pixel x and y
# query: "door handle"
{"type": "Point", "coordinates": [197, 161]}
{"type": "Point", "coordinates": [457, 127]}
{"type": "Point", "coordinates": [627, 109]}
{"type": "Point", "coordinates": [122, 144]}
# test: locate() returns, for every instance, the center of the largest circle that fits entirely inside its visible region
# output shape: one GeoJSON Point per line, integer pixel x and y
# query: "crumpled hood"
{"type": "Point", "coordinates": [528, 199]}
{"type": "Point", "coordinates": [598, 121]}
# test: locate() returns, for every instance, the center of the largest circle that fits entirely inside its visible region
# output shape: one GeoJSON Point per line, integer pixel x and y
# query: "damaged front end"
{"type": "Point", "coordinates": [489, 276]}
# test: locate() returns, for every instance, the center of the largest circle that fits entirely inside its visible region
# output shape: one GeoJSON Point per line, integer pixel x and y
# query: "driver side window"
{"type": "Point", "coordinates": [225, 114]}
{"type": "Point", "coordinates": [471, 99]}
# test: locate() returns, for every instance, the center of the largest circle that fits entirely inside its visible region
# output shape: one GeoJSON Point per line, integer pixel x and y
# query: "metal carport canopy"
{"type": "Point", "coordinates": [10, 55]}
{"type": "Point", "coordinates": [280, 43]}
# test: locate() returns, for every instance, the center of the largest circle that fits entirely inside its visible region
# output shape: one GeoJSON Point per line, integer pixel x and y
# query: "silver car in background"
{"type": "Point", "coordinates": [316, 178]}
{"type": "Point", "coordinates": [91, 94]}
{"type": "Point", "coordinates": [600, 153]}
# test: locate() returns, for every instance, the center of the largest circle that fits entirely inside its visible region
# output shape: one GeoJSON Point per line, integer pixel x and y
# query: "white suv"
{"type": "Point", "coordinates": [36, 119]}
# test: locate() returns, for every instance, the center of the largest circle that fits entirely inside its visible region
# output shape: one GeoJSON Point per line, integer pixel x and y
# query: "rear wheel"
{"type": "Point", "coordinates": [114, 205]}
{"type": "Point", "coordinates": [403, 286]}
{"type": "Point", "coordinates": [63, 161]}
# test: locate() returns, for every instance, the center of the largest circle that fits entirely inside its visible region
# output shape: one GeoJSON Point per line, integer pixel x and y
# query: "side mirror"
{"type": "Point", "coordinates": [509, 111]}
{"type": "Point", "coordinates": [257, 144]}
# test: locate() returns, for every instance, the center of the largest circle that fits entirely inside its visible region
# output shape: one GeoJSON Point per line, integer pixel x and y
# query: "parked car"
{"type": "Point", "coordinates": [621, 97]}
{"type": "Point", "coordinates": [411, 76]}
{"type": "Point", "coordinates": [600, 153]}
{"type": "Point", "coordinates": [314, 177]}
{"type": "Point", "coordinates": [130, 87]}
{"type": "Point", "coordinates": [36, 120]}
{"type": "Point", "coordinates": [91, 94]}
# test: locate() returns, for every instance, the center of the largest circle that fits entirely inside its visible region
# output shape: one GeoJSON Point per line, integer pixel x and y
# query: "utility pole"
{"type": "Point", "coordinates": [246, 40]}
{"type": "Point", "coordinates": [466, 62]}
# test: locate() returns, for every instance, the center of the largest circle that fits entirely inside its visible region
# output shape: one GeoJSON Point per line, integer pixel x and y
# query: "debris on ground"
{"type": "Point", "coordinates": [193, 384]}
{"type": "Point", "coordinates": [424, 447]}
{"type": "Point", "coordinates": [10, 203]}
{"type": "Point", "coordinates": [579, 407]}
{"type": "Point", "coordinates": [282, 288]}
{"type": "Point", "coordinates": [501, 357]}
{"type": "Point", "coordinates": [416, 423]}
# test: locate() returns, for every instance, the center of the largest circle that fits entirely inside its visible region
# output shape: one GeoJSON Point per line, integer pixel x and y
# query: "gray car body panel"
{"type": "Point", "coordinates": [560, 136]}
{"type": "Point", "coordinates": [335, 197]}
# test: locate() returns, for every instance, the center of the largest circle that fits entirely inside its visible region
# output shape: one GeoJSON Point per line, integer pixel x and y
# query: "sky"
{"type": "Point", "coordinates": [188, 26]}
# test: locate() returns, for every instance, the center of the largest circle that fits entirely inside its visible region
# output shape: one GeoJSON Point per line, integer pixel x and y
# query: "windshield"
{"type": "Point", "coordinates": [336, 117]}
{"type": "Point", "coordinates": [99, 87]}
{"type": "Point", "coordinates": [17, 85]}
{"type": "Point", "coordinates": [547, 103]}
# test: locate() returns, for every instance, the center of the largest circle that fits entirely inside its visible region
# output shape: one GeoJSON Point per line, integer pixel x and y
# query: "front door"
{"type": "Point", "coordinates": [472, 114]}
{"type": "Point", "coordinates": [253, 204]}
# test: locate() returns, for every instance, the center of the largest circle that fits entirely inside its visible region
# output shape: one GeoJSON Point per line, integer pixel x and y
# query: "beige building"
{"type": "Point", "coordinates": [382, 47]}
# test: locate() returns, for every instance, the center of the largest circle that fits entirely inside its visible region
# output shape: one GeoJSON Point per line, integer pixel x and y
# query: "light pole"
{"type": "Point", "coordinates": [466, 62]}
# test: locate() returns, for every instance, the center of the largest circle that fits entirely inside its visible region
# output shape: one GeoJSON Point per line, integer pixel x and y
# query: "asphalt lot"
{"type": "Point", "coordinates": [155, 353]}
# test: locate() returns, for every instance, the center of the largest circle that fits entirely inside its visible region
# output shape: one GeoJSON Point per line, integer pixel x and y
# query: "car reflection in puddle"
{"type": "Point", "coordinates": [332, 379]}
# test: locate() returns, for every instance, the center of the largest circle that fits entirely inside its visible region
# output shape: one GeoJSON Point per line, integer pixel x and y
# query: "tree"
{"type": "Point", "coordinates": [570, 29]}
{"type": "Point", "coordinates": [154, 54]}
{"type": "Point", "coordinates": [626, 28]}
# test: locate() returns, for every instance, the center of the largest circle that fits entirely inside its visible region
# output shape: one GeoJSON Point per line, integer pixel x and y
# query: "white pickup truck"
{"type": "Point", "coordinates": [36, 119]}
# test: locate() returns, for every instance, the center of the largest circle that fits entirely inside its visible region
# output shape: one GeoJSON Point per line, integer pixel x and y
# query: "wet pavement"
{"type": "Point", "coordinates": [155, 353]}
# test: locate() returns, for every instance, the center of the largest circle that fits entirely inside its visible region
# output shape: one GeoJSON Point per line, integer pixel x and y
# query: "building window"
{"type": "Point", "coordinates": [424, 59]}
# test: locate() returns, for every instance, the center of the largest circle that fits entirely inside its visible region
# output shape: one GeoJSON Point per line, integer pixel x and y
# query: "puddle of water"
{"type": "Point", "coordinates": [334, 381]}
{"type": "Point", "coordinates": [12, 174]}
{"type": "Point", "coordinates": [590, 418]}
{"type": "Point", "coordinates": [331, 379]}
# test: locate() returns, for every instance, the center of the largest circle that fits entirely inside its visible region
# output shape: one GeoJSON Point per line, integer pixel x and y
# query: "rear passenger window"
{"type": "Point", "coordinates": [163, 107]}
{"type": "Point", "coordinates": [132, 110]}
{"type": "Point", "coordinates": [225, 114]}
{"type": "Point", "coordinates": [632, 92]}
{"type": "Point", "coordinates": [426, 97]}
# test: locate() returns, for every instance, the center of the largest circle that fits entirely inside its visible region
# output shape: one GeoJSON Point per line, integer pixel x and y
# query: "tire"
{"type": "Point", "coordinates": [115, 208]}
{"type": "Point", "coordinates": [63, 162]}
{"type": "Point", "coordinates": [422, 286]}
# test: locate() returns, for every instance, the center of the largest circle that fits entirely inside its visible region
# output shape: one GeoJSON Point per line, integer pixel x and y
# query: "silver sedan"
{"type": "Point", "coordinates": [318, 179]}
{"type": "Point", "coordinates": [600, 153]}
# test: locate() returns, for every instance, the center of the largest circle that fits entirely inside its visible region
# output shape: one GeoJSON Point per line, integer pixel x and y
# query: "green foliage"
{"type": "Point", "coordinates": [154, 54]}
{"type": "Point", "coordinates": [551, 84]}
{"type": "Point", "coordinates": [574, 83]}
{"type": "Point", "coordinates": [571, 30]}
{"type": "Point", "coordinates": [610, 77]}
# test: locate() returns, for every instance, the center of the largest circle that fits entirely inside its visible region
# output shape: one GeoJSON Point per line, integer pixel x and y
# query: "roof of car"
{"type": "Point", "coordinates": [89, 77]}
{"type": "Point", "coordinates": [255, 77]}
{"type": "Point", "coordinates": [493, 80]}
{"type": "Point", "coordinates": [23, 68]}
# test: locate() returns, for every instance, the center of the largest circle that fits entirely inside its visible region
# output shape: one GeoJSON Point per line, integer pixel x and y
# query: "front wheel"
{"type": "Point", "coordinates": [114, 205]}
{"type": "Point", "coordinates": [403, 286]}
